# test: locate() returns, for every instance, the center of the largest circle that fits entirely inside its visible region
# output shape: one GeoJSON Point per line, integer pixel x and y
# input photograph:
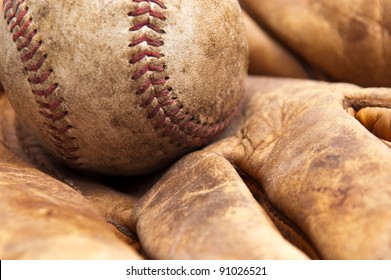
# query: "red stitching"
{"type": "Point", "coordinates": [147, 10]}
{"type": "Point", "coordinates": [40, 79]}
{"type": "Point", "coordinates": [19, 19]}
{"type": "Point", "coordinates": [148, 24]}
{"type": "Point", "coordinates": [15, 10]}
{"type": "Point", "coordinates": [152, 114]}
{"type": "Point", "coordinates": [6, 6]}
{"type": "Point", "coordinates": [20, 24]}
{"type": "Point", "coordinates": [53, 117]}
{"type": "Point", "coordinates": [150, 41]}
{"type": "Point", "coordinates": [171, 117]}
{"type": "Point", "coordinates": [51, 106]}
{"type": "Point", "coordinates": [59, 130]}
{"type": "Point", "coordinates": [47, 92]}
{"type": "Point", "coordinates": [148, 83]}
{"type": "Point", "coordinates": [28, 40]}
{"type": "Point", "coordinates": [29, 55]}
{"type": "Point", "coordinates": [35, 67]}
{"type": "Point", "coordinates": [147, 68]}
{"type": "Point", "coordinates": [22, 30]}
{"type": "Point", "coordinates": [169, 102]}
{"type": "Point", "coordinates": [145, 53]}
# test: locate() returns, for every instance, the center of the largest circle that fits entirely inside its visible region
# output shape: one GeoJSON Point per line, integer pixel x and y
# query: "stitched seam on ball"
{"type": "Point", "coordinates": [51, 107]}
{"type": "Point", "coordinates": [175, 121]}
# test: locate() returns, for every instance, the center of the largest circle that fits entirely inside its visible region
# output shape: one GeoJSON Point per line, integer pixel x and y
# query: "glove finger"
{"type": "Point", "coordinates": [347, 40]}
{"type": "Point", "coordinates": [265, 52]}
{"type": "Point", "coordinates": [372, 108]}
{"type": "Point", "coordinates": [201, 209]}
{"type": "Point", "coordinates": [318, 165]}
{"type": "Point", "coordinates": [112, 197]}
{"type": "Point", "coordinates": [45, 219]}
{"type": "Point", "coordinates": [376, 120]}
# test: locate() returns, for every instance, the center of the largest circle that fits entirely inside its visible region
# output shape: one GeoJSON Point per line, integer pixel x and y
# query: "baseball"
{"type": "Point", "coordinates": [123, 87]}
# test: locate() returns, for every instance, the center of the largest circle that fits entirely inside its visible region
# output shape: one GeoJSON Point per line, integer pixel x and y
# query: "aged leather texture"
{"type": "Point", "coordinates": [305, 153]}
{"type": "Point", "coordinates": [335, 40]}
{"type": "Point", "coordinates": [303, 172]}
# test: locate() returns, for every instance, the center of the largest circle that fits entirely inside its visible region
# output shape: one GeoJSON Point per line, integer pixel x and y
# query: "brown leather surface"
{"type": "Point", "coordinates": [268, 57]}
{"type": "Point", "coordinates": [299, 175]}
{"type": "Point", "coordinates": [338, 40]}
{"type": "Point", "coordinates": [377, 120]}
{"type": "Point", "coordinates": [319, 173]}
{"type": "Point", "coordinates": [201, 209]}
{"type": "Point", "coordinates": [44, 219]}
{"type": "Point", "coordinates": [302, 173]}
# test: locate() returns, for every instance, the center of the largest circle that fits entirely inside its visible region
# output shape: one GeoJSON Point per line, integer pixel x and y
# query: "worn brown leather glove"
{"type": "Point", "coordinates": [297, 176]}
{"type": "Point", "coordinates": [338, 40]}
{"type": "Point", "coordinates": [300, 150]}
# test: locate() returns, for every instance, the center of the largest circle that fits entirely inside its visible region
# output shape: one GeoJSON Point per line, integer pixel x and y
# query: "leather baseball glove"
{"type": "Point", "coordinates": [303, 153]}
{"type": "Point", "coordinates": [302, 173]}
{"type": "Point", "coordinates": [336, 40]}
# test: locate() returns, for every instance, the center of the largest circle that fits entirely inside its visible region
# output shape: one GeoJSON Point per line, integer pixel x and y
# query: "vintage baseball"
{"type": "Point", "coordinates": [123, 87]}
